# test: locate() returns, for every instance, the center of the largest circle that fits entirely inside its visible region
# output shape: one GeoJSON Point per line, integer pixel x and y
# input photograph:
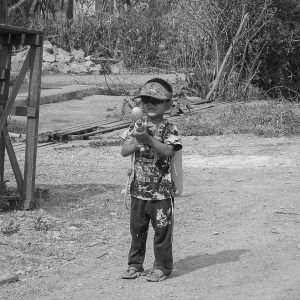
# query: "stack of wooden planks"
{"type": "Point", "coordinates": [94, 130]}
{"type": "Point", "coordinates": [84, 131]}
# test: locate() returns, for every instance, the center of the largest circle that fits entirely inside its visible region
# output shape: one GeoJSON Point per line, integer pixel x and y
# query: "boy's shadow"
{"type": "Point", "coordinates": [194, 262]}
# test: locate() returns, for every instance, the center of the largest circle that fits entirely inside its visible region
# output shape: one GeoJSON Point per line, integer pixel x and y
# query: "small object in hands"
{"type": "Point", "coordinates": [136, 114]}
{"type": "Point", "coordinates": [137, 118]}
{"type": "Point", "coordinates": [139, 125]}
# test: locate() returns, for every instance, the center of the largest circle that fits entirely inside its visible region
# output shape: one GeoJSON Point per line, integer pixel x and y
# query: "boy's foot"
{"type": "Point", "coordinates": [131, 273]}
{"type": "Point", "coordinates": [156, 276]}
{"type": "Point", "coordinates": [145, 273]}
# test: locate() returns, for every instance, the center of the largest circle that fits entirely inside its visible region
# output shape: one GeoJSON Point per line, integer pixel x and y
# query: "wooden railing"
{"type": "Point", "coordinates": [12, 36]}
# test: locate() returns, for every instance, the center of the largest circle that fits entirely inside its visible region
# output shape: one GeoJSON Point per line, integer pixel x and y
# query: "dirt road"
{"type": "Point", "coordinates": [236, 236]}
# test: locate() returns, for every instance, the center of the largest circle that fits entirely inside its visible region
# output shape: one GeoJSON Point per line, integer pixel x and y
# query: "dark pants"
{"type": "Point", "coordinates": [161, 215]}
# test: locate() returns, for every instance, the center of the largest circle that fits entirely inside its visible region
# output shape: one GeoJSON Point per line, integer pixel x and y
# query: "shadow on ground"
{"type": "Point", "coordinates": [81, 200]}
{"type": "Point", "coordinates": [195, 262]}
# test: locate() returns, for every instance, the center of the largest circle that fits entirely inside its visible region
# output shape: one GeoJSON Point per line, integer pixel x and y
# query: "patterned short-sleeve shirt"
{"type": "Point", "coordinates": [152, 172]}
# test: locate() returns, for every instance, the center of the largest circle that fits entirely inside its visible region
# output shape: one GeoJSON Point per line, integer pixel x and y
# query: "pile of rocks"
{"type": "Point", "coordinates": [57, 60]}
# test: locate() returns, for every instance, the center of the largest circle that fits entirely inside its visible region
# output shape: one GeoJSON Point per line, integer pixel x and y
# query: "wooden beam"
{"type": "Point", "coordinates": [25, 111]}
{"type": "Point", "coordinates": [109, 129]}
{"type": "Point", "coordinates": [86, 126]}
{"type": "Point", "coordinates": [14, 91]}
{"type": "Point", "coordinates": [32, 127]}
{"type": "Point", "coordinates": [13, 161]}
{"type": "Point", "coordinates": [5, 63]}
{"type": "Point", "coordinates": [20, 39]}
{"type": "Point", "coordinates": [26, 39]}
{"type": "Point", "coordinates": [4, 28]}
{"type": "Point", "coordinates": [5, 60]}
{"type": "Point", "coordinates": [2, 160]}
{"type": "Point", "coordinates": [34, 40]}
{"type": "Point", "coordinates": [3, 12]}
{"type": "Point", "coordinates": [4, 74]}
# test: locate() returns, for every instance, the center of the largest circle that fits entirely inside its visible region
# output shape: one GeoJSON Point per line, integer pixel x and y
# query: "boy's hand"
{"type": "Point", "coordinates": [142, 136]}
{"type": "Point", "coordinates": [135, 142]}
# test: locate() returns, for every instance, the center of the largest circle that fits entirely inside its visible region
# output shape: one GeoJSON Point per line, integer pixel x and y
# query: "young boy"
{"type": "Point", "coordinates": [152, 191]}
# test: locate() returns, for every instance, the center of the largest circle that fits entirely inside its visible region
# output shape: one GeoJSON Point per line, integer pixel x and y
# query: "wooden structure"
{"type": "Point", "coordinates": [10, 36]}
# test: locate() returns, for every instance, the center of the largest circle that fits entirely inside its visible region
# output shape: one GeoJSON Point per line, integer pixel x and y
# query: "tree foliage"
{"type": "Point", "coordinates": [268, 52]}
{"type": "Point", "coordinates": [279, 73]}
{"type": "Point", "coordinates": [176, 34]}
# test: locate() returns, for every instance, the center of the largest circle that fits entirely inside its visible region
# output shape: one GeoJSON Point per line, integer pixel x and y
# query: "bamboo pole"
{"type": "Point", "coordinates": [221, 70]}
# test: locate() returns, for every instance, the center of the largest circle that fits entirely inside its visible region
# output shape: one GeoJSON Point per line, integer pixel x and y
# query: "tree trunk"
{"type": "Point", "coordinates": [105, 5]}
{"type": "Point", "coordinates": [98, 5]}
{"type": "Point", "coordinates": [33, 7]}
{"type": "Point", "coordinates": [109, 6]}
{"type": "Point", "coordinates": [70, 9]}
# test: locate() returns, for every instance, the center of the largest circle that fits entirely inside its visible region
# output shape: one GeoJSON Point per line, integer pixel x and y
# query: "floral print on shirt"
{"type": "Point", "coordinates": [152, 172]}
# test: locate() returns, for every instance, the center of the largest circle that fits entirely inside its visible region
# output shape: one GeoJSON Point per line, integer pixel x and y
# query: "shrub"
{"type": "Point", "coordinates": [279, 72]}
{"type": "Point", "coordinates": [265, 119]}
{"type": "Point", "coordinates": [139, 36]}
{"type": "Point", "coordinates": [190, 35]}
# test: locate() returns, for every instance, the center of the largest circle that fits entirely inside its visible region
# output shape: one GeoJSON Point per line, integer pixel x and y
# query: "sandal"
{"type": "Point", "coordinates": [156, 276]}
{"type": "Point", "coordinates": [131, 273]}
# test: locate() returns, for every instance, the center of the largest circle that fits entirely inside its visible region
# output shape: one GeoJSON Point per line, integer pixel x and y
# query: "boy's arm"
{"type": "Point", "coordinates": [164, 149]}
{"type": "Point", "coordinates": [130, 144]}
{"type": "Point", "coordinates": [171, 144]}
{"type": "Point", "coordinates": [129, 147]}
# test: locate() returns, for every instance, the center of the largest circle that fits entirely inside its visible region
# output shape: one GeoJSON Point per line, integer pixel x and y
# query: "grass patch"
{"type": "Point", "coordinates": [269, 119]}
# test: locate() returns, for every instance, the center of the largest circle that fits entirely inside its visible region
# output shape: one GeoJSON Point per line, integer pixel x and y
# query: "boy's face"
{"type": "Point", "coordinates": [154, 108]}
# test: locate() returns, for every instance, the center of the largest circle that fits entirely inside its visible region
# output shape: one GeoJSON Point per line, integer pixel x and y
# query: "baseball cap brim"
{"type": "Point", "coordinates": [154, 90]}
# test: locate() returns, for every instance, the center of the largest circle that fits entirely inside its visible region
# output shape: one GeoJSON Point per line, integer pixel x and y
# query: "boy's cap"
{"type": "Point", "coordinates": [155, 90]}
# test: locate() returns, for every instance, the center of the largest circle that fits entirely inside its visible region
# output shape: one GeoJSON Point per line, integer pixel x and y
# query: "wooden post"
{"type": "Point", "coordinates": [70, 9]}
{"type": "Point", "coordinates": [32, 126]}
{"type": "Point", "coordinates": [3, 12]}
{"type": "Point", "coordinates": [11, 35]}
{"type": "Point", "coordinates": [5, 54]}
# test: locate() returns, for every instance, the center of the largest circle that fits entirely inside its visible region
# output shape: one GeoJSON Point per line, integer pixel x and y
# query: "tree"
{"type": "Point", "coordinates": [104, 5]}
{"type": "Point", "coordinates": [279, 73]}
{"type": "Point", "coordinates": [45, 8]}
